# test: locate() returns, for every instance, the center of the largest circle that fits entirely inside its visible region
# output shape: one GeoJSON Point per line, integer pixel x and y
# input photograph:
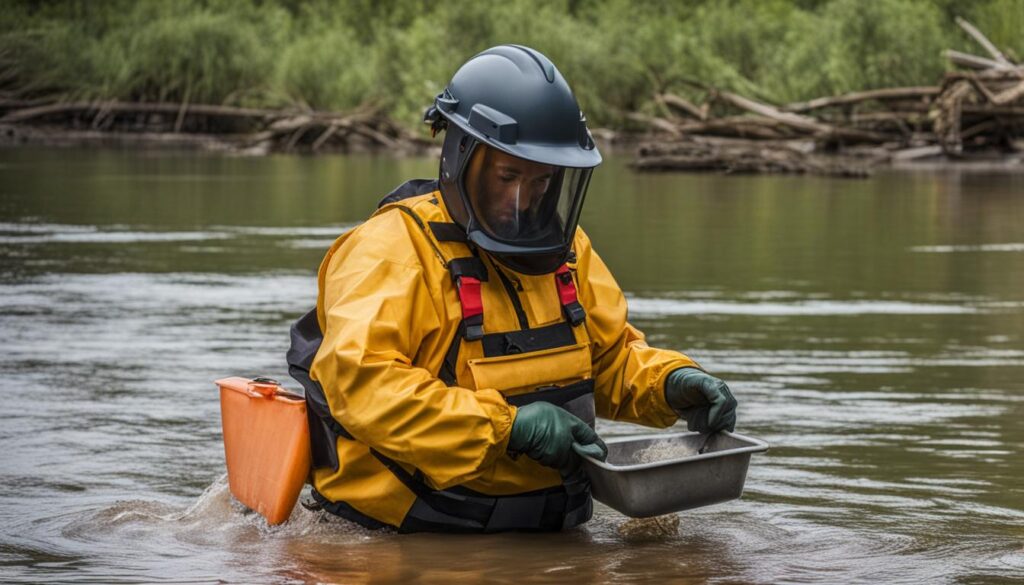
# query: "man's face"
{"type": "Point", "coordinates": [505, 191]}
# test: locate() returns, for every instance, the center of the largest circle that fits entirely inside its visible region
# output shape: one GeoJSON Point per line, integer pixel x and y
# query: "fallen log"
{"type": "Point", "coordinates": [26, 114]}
{"type": "Point", "coordinates": [654, 123]}
{"type": "Point", "coordinates": [740, 157]}
{"type": "Point", "coordinates": [738, 127]}
{"type": "Point", "coordinates": [984, 42]}
{"type": "Point", "coordinates": [909, 154]}
{"type": "Point", "coordinates": [13, 135]}
{"type": "Point", "coordinates": [324, 136]}
{"type": "Point", "coordinates": [801, 145]}
{"type": "Point", "coordinates": [1011, 94]}
{"type": "Point", "coordinates": [18, 104]}
{"type": "Point", "coordinates": [875, 117]}
{"type": "Point", "coordinates": [805, 123]}
{"type": "Point", "coordinates": [979, 129]}
{"type": "Point", "coordinates": [677, 104]}
{"type": "Point", "coordinates": [892, 93]}
{"type": "Point", "coordinates": [986, 109]}
{"type": "Point", "coordinates": [284, 130]}
{"type": "Point", "coordinates": [1010, 76]}
{"type": "Point", "coordinates": [290, 124]}
{"type": "Point", "coordinates": [973, 61]}
{"type": "Point", "coordinates": [379, 137]}
{"type": "Point", "coordinates": [972, 111]}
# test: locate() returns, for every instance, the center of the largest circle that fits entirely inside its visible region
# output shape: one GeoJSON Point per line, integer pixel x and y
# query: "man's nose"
{"type": "Point", "coordinates": [524, 196]}
{"type": "Point", "coordinates": [524, 201]}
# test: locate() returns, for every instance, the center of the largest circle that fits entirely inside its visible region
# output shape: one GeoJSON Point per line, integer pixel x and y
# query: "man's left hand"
{"type": "Point", "coordinates": [702, 399]}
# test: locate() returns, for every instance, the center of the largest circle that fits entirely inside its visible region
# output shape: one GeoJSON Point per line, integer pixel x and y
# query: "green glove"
{"type": "Point", "coordinates": [547, 433]}
{"type": "Point", "coordinates": [702, 399]}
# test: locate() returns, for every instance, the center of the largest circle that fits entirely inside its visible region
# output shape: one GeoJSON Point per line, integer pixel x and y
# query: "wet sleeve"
{"type": "Point", "coordinates": [629, 375]}
{"type": "Point", "coordinates": [380, 312]}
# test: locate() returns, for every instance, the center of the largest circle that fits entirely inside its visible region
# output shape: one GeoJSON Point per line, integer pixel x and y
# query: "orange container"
{"type": "Point", "coordinates": [266, 445]}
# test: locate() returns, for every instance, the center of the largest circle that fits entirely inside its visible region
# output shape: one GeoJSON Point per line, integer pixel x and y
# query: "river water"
{"type": "Point", "coordinates": [873, 332]}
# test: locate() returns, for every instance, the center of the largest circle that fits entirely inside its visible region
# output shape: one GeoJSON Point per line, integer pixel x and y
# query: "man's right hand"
{"type": "Point", "coordinates": [546, 433]}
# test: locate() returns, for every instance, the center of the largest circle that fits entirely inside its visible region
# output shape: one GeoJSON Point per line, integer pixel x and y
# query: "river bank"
{"type": "Point", "coordinates": [205, 127]}
{"type": "Point", "coordinates": [974, 113]}
{"type": "Point", "coordinates": [674, 145]}
{"type": "Point", "coordinates": [309, 58]}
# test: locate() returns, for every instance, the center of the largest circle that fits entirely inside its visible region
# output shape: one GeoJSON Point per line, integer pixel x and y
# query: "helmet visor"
{"type": "Point", "coordinates": [523, 203]}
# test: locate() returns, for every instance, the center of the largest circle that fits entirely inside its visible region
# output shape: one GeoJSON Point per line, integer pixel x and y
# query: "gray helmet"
{"type": "Point", "coordinates": [517, 157]}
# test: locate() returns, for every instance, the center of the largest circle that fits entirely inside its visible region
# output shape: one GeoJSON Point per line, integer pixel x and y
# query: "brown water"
{"type": "Point", "coordinates": [873, 332]}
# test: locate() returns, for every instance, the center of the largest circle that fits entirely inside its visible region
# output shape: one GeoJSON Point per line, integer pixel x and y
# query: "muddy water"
{"type": "Point", "coordinates": [872, 330]}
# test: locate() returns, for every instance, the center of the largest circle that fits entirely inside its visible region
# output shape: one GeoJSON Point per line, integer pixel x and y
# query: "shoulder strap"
{"type": "Point", "coordinates": [448, 232]}
{"type": "Point", "coordinates": [306, 338]}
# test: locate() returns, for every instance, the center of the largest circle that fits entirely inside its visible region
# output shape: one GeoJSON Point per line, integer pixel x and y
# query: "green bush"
{"type": "Point", "coordinates": [327, 70]}
{"type": "Point", "coordinates": [750, 38]}
{"type": "Point", "coordinates": [616, 54]}
{"type": "Point", "coordinates": [57, 57]}
{"type": "Point", "coordinates": [882, 43]}
{"type": "Point", "coordinates": [198, 56]}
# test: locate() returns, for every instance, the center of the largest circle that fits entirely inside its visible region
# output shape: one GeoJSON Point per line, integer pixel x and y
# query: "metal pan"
{"type": "Point", "coordinates": [649, 475]}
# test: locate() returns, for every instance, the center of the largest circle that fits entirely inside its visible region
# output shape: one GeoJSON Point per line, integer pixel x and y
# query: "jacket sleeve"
{"type": "Point", "coordinates": [629, 375]}
{"type": "Point", "coordinates": [378, 313]}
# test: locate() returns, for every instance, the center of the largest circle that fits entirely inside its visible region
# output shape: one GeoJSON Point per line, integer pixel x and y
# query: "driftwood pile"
{"type": "Point", "coordinates": [203, 126]}
{"type": "Point", "coordinates": [978, 109]}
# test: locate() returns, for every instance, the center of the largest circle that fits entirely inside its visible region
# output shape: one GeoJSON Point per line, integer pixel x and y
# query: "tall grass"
{"type": "Point", "coordinates": [339, 54]}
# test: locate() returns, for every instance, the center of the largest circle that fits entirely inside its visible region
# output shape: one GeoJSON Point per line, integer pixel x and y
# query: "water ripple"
{"type": "Point", "coordinates": [650, 307]}
{"type": "Point", "coordinates": [1007, 247]}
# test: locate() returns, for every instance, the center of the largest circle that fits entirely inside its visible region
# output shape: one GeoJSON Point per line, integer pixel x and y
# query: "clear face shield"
{"type": "Point", "coordinates": [525, 208]}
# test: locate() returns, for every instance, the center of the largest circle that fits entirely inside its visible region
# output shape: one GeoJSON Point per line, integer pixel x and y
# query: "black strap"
{"type": "Point", "coordinates": [447, 501]}
{"type": "Point", "coordinates": [306, 338]}
{"type": "Point", "coordinates": [574, 313]}
{"type": "Point", "coordinates": [549, 510]}
{"type": "Point", "coordinates": [447, 373]}
{"type": "Point", "coordinates": [447, 231]}
{"type": "Point", "coordinates": [557, 395]}
{"type": "Point", "coordinates": [464, 510]}
{"type": "Point", "coordinates": [473, 327]}
{"type": "Point", "coordinates": [468, 266]}
{"type": "Point", "coordinates": [528, 340]}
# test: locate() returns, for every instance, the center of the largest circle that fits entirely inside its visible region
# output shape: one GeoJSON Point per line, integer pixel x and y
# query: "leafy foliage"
{"type": "Point", "coordinates": [340, 54]}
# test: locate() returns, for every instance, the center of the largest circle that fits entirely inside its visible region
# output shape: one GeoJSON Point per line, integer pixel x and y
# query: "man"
{"type": "Point", "coordinates": [467, 334]}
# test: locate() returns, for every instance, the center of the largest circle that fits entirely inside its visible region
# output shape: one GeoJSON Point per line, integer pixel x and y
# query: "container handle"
{"type": "Point", "coordinates": [263, 387]}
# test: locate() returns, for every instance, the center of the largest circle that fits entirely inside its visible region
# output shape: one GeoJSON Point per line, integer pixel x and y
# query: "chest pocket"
{"type": "Point", "coordinates": [526, 372]}
{"type": "Point", "coordinates": [561, 376]}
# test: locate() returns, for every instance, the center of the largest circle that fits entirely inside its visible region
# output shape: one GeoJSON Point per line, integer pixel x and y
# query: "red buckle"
{"type": "Point", "coordinates": [566, 287]}
{"type": "Point", "coordinates": [469, 296]}
{"type": "Point", "coordinates": [567, 294]}
{"type": "Point", "coordinates": [472, 307]}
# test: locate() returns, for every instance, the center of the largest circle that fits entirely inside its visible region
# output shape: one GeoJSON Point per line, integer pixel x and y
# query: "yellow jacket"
{"type": "Point", "coordinates": [389, 312]}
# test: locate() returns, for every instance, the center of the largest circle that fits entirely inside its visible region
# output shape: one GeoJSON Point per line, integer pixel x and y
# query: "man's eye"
{"type": "Point", "coordinates": [507, 178]}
